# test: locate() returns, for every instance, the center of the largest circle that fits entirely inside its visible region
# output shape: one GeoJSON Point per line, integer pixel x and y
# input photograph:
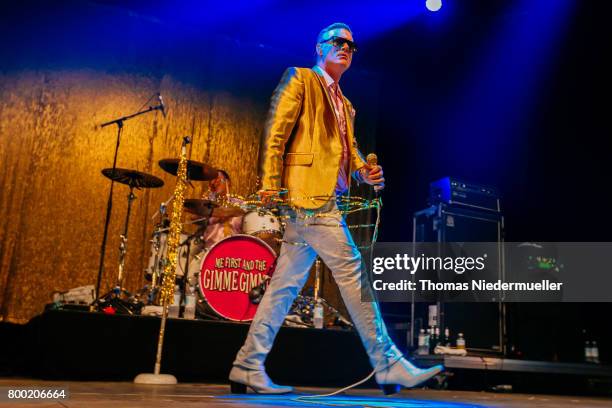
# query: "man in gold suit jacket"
{"type": "Point", "coordinates": [302, 145]}
{"type": "Point", "coordinates": [309, 150]}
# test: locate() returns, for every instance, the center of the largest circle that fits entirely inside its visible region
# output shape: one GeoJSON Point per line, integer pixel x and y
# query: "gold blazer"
{"type": "Point", "coordinates": [301, 146]}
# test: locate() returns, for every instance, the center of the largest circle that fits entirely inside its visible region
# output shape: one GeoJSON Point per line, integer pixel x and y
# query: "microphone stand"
{"type": "Point", "coordinates": [109, 204]}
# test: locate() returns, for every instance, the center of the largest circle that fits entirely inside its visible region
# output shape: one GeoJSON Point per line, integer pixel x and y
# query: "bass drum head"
{"type": "Point", "coordinates": [228, 272]}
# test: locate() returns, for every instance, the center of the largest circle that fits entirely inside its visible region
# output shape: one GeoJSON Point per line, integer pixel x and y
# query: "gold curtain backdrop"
{"type": "Point", "coordinates": [53, 196]}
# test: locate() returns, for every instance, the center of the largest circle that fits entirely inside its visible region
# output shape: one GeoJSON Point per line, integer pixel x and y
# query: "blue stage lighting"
{"type": "Point", "coordinates": [433, 5]}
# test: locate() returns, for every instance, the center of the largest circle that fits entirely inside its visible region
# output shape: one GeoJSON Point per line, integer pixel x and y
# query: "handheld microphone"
{"type": "Point", "coordinates": [257, 292]}
{"type": "Point", "coordinates": [162, 107]}
{"type": "Point", "coordinates": [372, 160]}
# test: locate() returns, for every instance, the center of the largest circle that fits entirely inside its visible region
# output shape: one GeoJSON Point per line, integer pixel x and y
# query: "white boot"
{"type": "Point", "coordinates": [403, 373]}
{"type": "Point", "coordinates": [257, 380]}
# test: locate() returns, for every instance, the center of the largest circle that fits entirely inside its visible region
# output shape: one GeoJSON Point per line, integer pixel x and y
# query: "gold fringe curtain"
{"type": "Point", "coordinates": [53, 196]}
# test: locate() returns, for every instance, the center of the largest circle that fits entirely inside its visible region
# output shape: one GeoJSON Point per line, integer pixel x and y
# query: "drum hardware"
{"type": "Point", "coordinates": [187, 244]}
{"type": "Point", "coordinates": [339, 320]}
{"type": "Point", "coordinates": [163, 209]}
{"type": "Point", "coordinates": [303, 309]}
{"type": "Point", "coordinates": [119, 298]}
{"type": "Point", "coordinates": [109, 204]}
{"type": "Point", "coordinates": [153, 273]}
{"type": "Point", "coordinates": [195, 171]}
{"type": "Point", "coordinates": [157, 260]}
{"type": "Point", "coordinates": [156, 265]}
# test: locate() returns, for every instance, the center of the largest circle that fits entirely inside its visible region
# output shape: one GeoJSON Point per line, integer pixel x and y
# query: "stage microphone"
{"type": "Point", "coordinates": [257, 292]}
{"type": "Point", "coordinates": [372, 160]}
{"type": "Point", "coordinates": [162, 107]}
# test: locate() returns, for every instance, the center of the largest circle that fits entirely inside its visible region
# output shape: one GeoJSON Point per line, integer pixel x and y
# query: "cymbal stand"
{"type": "Point", "coordinates": [114, 296]}
{"type": "Point", "coordinates": [124, 240]}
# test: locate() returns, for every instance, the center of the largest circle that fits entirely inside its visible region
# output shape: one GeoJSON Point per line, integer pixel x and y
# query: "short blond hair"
{"type": "Point", "coordinates": [330, 27]}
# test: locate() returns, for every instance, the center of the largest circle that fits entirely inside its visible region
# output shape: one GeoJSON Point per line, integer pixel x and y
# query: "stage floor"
{"type": "Point", "coordinates": [128, 395]}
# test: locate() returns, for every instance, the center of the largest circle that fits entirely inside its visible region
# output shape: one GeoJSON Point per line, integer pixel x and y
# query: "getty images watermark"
{"type": "Point", "coordinates": [489, 272]}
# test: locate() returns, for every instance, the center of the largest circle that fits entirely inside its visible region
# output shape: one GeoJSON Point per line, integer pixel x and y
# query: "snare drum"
{"type": "Point", "coordinates": [228, 272]}
{"type": "Point", "coordinates": [265, 226]}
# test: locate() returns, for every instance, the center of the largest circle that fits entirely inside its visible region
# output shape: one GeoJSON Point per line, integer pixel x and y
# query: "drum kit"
{"type": "Point", "coordinates": [229, 275]}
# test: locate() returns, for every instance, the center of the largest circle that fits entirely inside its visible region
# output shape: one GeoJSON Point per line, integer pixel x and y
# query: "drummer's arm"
{"type": "Point", "coordinates": [237, 224]}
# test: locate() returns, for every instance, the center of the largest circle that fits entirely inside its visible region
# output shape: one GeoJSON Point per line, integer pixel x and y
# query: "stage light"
{"type": "Point", "coordinates": [433, 5]}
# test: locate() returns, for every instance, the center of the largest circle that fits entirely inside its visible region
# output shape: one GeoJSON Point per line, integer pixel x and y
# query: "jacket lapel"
{"type": "Point", "coordinates": [325, 90]}
{"type": "Point", "coordinates": [347, 116]}
{"type": "Point", "coordinates": [349, 120]}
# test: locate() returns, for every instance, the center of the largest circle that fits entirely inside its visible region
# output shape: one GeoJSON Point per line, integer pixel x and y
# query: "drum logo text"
{"type": "Point", "coordinates": [238, 279]}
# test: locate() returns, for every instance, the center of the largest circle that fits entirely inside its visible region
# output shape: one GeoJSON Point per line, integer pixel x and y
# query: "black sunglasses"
{"type": "Point", "coordinates": [339, 42]}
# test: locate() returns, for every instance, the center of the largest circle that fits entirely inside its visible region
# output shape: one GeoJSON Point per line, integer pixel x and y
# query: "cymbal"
{"type": "Point", "coordinates": [133, 178]}
{"type": "Point", "coordinates": [196, 171]}
{"type": "Point", "coordinates": [202, 208]}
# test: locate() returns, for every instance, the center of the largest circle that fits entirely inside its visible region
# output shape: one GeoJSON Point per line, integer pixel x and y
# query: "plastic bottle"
{"type": "Point", "coordinates": [174, 308]}
{"type": "Point", "coordinates": [423, 348]}
{"type": "Point", "coordinates": [460, 341]}
{"type": "Point", "coordinates": [190, 305]}
{"type": "Point", "coordinates": [317, 319]}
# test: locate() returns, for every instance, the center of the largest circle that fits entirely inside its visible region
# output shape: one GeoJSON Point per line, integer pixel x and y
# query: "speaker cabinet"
{"type": "Point", "coordinates": [481, 323]}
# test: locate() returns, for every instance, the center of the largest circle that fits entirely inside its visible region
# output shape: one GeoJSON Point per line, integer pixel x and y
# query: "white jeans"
{"type": "Point", "coordinates": [327, 235]}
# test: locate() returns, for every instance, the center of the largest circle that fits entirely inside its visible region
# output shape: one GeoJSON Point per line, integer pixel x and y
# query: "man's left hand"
{"type": "Point", "coordinates": [373, 175]}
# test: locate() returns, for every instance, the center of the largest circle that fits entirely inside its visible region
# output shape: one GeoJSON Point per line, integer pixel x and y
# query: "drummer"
{"type": "Point", "coordinates": [220, 227]}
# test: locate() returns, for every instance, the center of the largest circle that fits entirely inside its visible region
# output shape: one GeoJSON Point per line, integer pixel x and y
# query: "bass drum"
{"type": "Point", "coordinates": [228, 272]}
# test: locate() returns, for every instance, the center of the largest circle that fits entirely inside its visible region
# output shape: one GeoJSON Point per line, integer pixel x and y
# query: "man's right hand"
{"type": "Point", "coordinates": [268, 197]}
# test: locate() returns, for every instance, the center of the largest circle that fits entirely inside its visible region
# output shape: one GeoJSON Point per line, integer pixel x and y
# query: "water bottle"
{"type": "Point", "coordinates": [460, 341]}
{"type": "Point", "coordinates": [318, 315]}
{"type": "Point", "coordinates": [190, 305]}
{"type": "Point", "coordinates": [174, 308]}
{"type": "Point", "coordinates": [423, 342]}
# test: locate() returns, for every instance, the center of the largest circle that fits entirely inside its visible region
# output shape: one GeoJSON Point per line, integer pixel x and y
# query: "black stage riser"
{"type": "Point", "coordinates": [94, 346]}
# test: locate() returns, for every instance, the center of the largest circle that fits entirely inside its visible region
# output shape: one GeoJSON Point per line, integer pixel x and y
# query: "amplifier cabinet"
{"type": "Point", "coordinates": [482, 323]}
